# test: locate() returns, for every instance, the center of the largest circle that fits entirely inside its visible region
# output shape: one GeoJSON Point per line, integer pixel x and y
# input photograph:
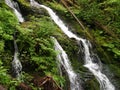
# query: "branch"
{"type": "Point", "coordinates": [79, 22]}
{"type": "Point", "coordinates": [64, 3]}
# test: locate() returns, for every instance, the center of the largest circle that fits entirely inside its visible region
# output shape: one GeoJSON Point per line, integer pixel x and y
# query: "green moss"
{"type": "Point", "coordinates": [92, 85]}
{"type": "Point", "coordinates": [57, 6]}
{"type": "Point", "coordinates": [25, 3]}
{"type": "Point", "coordinates": [25, 7]}
{"type": "Point", "coordinates": [116, 70]}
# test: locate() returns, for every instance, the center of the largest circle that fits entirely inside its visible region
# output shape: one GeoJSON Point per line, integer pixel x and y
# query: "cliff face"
{"type": "Point", "coordinates": [36, 49]}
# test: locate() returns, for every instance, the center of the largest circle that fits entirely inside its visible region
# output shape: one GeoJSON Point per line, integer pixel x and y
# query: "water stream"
{"type": "Point", "coordinates": [16, 64]}
{"type": "Point", "coordinates": [14, 6]}
{"type": "Point", "coordinates": [90, 60]}
{"type": "Point", "coordinates": [64, 61]}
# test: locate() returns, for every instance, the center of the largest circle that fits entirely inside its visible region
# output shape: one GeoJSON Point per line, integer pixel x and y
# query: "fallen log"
{"type": "Point", "coordinates": [64, 3]}
{"type": "Point", "coordinates": [47, 83]}
{"type": "Point", "coordinates": [79, 22]}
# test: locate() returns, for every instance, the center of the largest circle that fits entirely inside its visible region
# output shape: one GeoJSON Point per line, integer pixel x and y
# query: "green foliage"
{"type": "Point", "coordinates": [8, 22]}
{"type": "Point", "coordinates": [111, 47]}
{"type": "Point", "coordinates": [108, 44]}
{"type": "Point", "coordinates": [1, 46]}
{"type": "Point", "coordinates": [106, 13]}
{"type": "Point", "coordinates": [90, 10]}
{"type": "Point", "coordinates": [24, 3]}
{"type": "Point", "coordinates": [57, 6]}
{"type": "Point", "coordinates": [34, 43]}
{"type": "Point", "coordinates": [37, 48]}
{"type": "Point", "coordinates": [5, 79]}
{"type": "Point", "coordinates": [26, 78]}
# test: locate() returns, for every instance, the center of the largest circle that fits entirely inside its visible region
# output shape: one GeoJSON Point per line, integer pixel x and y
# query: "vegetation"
{"type": "Point", "coordinates": [36, 49]}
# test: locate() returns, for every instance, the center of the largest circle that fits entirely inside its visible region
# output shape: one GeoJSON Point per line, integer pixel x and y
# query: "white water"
{"type": "Point", "coordinates": [94, 67]}
{"type": "Point", "coordinates": [17, 13]}
{"type": "Point", "coordinates": [16, 64]}
{"type": "Point", "coordinates": [63, 59]}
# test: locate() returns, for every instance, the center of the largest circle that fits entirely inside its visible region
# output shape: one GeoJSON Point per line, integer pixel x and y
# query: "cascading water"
{"type": "Point", "coordinates": [89, 59]}
{"type": "Point", "coordinates": [64, 61]}
{"type": "Point", "coordinates": [17, 13]}
{"type": "Point", "coordinates": [16, 64]}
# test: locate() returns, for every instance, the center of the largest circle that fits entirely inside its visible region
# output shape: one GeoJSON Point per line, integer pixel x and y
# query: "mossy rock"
{"type": "Point", "coordinates": [92, 85]}
{"type": "Point", "coordinates": [25, 6]}
{"type": "Point", "coordinates": [27, 9]}
{"type": "Point", "coordinates": [116, 78]}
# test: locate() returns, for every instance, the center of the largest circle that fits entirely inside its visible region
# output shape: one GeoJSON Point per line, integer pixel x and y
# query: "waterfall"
{"type": "Point", "coordinates": [64, 61]}
{"type": "Point", "coordinates": [16, 64]}
{"type": "Point", "coordinates": [89, 58]}
{"type": "Point", "coordinates": [17, 12]}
